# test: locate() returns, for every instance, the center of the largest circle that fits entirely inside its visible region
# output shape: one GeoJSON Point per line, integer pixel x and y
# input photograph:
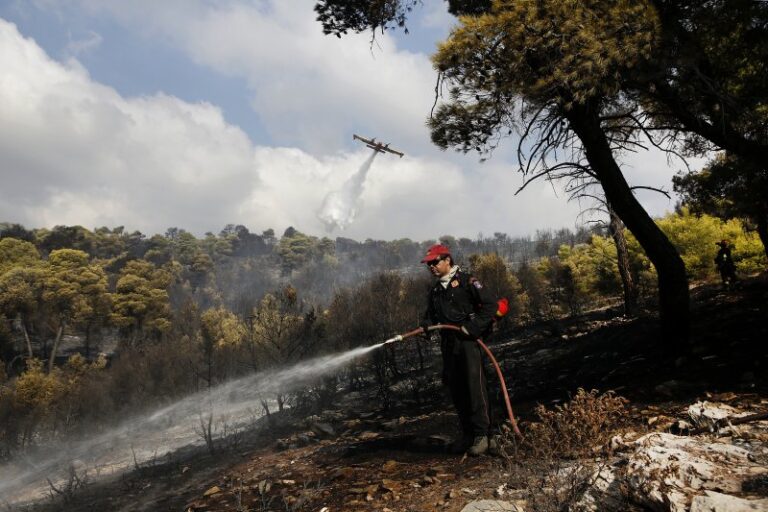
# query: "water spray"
{"type": "Point", "coordinates": [502, 382]}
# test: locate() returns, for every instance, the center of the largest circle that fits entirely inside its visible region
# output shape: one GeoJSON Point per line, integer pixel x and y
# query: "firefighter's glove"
{"type": "Point", "coordinates": [424, 327]}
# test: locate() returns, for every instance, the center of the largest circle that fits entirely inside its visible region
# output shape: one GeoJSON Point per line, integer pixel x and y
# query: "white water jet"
{"type": "Point", "coordinates": [340, 207]}
{"type": "Point", "coordinates": [163, 431]}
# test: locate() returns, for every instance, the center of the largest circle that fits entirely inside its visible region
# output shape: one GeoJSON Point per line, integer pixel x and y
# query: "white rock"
{"type": "Point", "coordinates": [667, 473]}
{"type": "Point", "coordinates": [707, 414]}
{"type": "Point", "coordinates": [491, 506]}
{"type": "Point", "coordinates": [668, 469]}
{"type": "Point", "coordinates": [716, 502]}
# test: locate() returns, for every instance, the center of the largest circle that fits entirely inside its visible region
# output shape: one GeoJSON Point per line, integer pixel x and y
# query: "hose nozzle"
{"type": "Point", "coordinates": [399, 337]}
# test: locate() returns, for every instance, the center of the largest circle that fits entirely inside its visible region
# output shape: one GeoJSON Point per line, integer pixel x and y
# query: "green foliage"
{"type": "Point", "coordinates": [710, 77]}
{"type": "Point", "coordinates": [140, 301]}
{"type": "Point", "coordinates": [550, 53]}
{"type": "Point", "coordinates": [220, 328]}
{"type": "Point", "coordinates": [74, 290]}
{"type": "Point", "coordinates": [533, 284]}
{"type": "Point", "coordinates": [340, 16]}
{"type": "Point", "coordinates": [295, 249]}
{"type": "Point", "coordinates": [17, 253]}
{"type": "Point", "coordinates": [728, 187]}
{"type": "Point", "coordinates": [695, 238]}
{"type": "Point", "coordinates": [20, 291]}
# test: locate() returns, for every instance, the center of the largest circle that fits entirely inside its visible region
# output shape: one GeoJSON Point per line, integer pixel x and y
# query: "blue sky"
{"type": "Point", "coordinates": [199, 113]}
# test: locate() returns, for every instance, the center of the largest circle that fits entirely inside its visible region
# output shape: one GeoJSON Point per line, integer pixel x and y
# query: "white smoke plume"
{"type": "Point", "coordinates": [340, 207]}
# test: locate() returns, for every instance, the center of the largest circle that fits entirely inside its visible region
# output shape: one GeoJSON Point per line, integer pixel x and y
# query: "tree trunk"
{"type": "Point", "coordinates": [762, 232]}
{"type": "Point", "coordinates": [673, 282]}
{"type": "Point", "coordinates": [55, 348]}
{"type": "Point", "coordinates": [26, 337]}
{"type": "Point", "coordinates": [622, 255]}
{"type": "Point", "coordinates": [88, 342]}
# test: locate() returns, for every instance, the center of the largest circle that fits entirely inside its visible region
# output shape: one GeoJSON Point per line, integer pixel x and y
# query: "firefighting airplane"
{"type": "Point", "coordinates": [378, 146]}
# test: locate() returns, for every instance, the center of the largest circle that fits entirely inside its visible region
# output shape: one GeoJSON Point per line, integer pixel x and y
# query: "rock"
{"type": "Point", "coordinates": [323, 429]}
{"type": "Point", "coordinates": [712, 501]}
{"type": "Point", "coordinates": [393, 424]}
{"type": "Point", "coordinates": [353, 424]}
{"type": "Point", "coordinates": [491, 506]}
{"type": "Point", "coordinates": [213, 490]}
{"type": "Point", "coordinates": [666, 472]}
{"type": "Point", "coordinates": [604, 492]}
{"type": "Point", "coordinates": [390, 485]}
{"type": "Point", "coordinates": [723, 397]}
{"type": "Point", "coordinates": [367, 436]}
{"type": "Point", "coordinates": [706, 414]}
{"type": "Point", "coordinates": [304, 439]}
{"type": "Point", "coordinates": [668, 469]}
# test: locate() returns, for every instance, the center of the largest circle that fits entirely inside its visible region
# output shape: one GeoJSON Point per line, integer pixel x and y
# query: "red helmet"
{"type": "Point", "coordinates": [436, 251]}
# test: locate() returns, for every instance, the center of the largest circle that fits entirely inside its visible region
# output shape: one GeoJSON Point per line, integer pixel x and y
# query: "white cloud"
{"type": "Point", "coordinates": [76, 152]}
{"type": "Point", "coordinates": [73, 151]}
{"type": "Point", "coordinates": [309, 90]}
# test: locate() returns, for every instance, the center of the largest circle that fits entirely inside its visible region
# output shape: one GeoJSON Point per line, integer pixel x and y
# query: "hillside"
{"type": "Point", "coordinates": [355, 456]}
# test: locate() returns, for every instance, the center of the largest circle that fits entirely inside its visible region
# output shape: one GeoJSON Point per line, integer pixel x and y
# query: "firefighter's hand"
{"type": "Point", "coordinates": [425, 329]}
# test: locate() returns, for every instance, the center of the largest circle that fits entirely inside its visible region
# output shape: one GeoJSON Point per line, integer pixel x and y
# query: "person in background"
{"type": "Point", "coordinates": [458, 298]}
{"type": "Point", "coordinates": [724, 262]}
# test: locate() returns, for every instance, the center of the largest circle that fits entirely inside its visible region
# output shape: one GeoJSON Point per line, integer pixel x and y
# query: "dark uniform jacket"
{"type": "Point", "coordinates": [464, 303]}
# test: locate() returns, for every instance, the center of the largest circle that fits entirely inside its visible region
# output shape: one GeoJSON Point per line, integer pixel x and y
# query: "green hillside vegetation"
{"type": "Point", "coordinates": [100, 324]}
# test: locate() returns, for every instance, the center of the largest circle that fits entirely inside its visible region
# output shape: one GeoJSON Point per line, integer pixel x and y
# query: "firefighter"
{"type": "Point", "coordinates": [724, 262]}
{"type": "Point", "coordinates": [460, 299]}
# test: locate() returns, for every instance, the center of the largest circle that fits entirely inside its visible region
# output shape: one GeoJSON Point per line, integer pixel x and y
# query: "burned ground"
{"type": "Point", "coordinates": [354, 456]}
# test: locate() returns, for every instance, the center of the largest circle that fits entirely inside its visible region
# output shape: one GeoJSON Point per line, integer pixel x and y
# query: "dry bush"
{"type": "Point", "coordinates": [544, 459]}
{"type": "Point", "coordinates": [571, 430]}
{"type": "Point", "coordinates": [69, 486]}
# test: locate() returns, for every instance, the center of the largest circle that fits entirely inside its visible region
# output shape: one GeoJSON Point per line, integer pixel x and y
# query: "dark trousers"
{"type": "Point", "coordinates": [464, 377]}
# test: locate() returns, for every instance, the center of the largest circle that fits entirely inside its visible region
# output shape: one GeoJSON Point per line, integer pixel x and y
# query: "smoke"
{"type": "Point", "coordinates": [340, 207]}
{"type": "Point", "coordinates": [233, 406]}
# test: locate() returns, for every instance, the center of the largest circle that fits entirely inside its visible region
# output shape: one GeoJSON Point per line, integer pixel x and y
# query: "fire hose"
{"type": "Point", "coordinates": [503, 384]}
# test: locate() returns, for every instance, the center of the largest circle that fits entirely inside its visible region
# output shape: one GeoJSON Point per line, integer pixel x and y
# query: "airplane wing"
{"type": "Point", "coordinates": [398, 153]}
{"type": "Point", "coordinates": [363, 139]}
{"type": "Point", "coordinates": [376, 146]}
